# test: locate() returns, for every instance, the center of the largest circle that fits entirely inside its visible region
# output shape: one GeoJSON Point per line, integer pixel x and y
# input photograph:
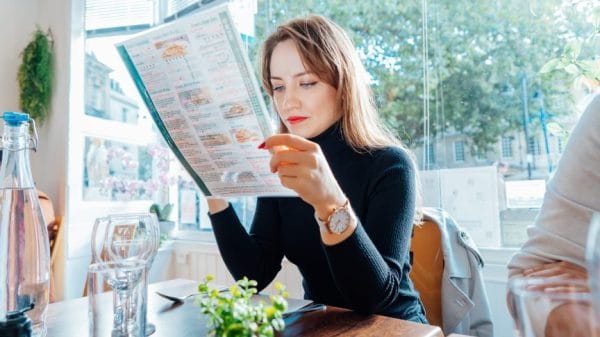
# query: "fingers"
{"type": "Point", "coordinates": [296, 142]}
{"type": "Point", "coordinates": [560, 288]}
{"type": "Point", "coordinates": [292, 157]}
{"type": "Point", "coordinates": [561, 268]}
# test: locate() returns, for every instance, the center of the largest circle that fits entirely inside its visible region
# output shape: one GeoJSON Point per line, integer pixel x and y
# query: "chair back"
{"type": "Point", "coordinates": [53, 227]}
{"type": "Point", "coordinates": [51, 222]}
{"type": "Point", "coordinates": [428, 268]}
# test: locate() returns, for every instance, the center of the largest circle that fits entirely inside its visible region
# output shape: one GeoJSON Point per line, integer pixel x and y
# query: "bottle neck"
{"type": "Point", "coordinates": [15, 170]}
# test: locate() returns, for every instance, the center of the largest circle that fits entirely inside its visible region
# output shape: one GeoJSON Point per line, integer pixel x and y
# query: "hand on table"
{"type": "Point", "coordinates": [562, 269]}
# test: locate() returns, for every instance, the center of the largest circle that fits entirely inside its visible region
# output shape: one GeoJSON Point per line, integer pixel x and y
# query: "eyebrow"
{"type": "Point", "coordinates": [295, 75]}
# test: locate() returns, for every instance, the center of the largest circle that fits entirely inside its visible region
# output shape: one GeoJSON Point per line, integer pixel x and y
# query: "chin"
{"type": "Point", "coordinates": [303, 133]}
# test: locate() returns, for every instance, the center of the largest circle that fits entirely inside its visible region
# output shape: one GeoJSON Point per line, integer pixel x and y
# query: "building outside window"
{"type": "Point", "coordinates": [431, 154]}
{"type": "Point", "coordinates": [533, 146]}
{"type": "Point", "coordinates": [459, 151]}
{"type": "Point", "coordinates": [559, 144]}
{"type": "Point", "coordinates": [507, 150]}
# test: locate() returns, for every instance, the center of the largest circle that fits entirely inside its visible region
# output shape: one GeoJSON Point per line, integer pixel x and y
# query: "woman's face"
{"type": "Point", "coordinates": [306, 104]}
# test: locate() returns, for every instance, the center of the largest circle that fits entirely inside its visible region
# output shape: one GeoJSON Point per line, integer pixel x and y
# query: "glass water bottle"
{"type": "Point", "coordinates": [24, 246]}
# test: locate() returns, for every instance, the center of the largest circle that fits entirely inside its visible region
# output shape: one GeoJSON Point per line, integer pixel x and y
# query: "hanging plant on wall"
{"type": "Point", "coordinates": [35, 76]}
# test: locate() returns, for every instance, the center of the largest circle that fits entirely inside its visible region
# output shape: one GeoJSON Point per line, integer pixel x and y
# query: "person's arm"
{"type": "Point", "coordinates": [257, 254]}
{"type": "Point", "coordinates": [573, 319]}
{"type": "Point", "coordinates": [216, 205]}
{"type": "Point", "coordinates": [368, 266]}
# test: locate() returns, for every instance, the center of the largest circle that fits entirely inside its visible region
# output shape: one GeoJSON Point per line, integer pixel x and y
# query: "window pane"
{"type": "Point", "coordinates": [460, 82]}
{"type": "Point", "coordinates": [105, 14]}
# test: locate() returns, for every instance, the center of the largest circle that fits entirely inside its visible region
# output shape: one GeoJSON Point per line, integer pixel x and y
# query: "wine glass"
{"type": "Point", "coordinates": [124, 237]}
{"type": "Point", "coordinates": [124, 278]}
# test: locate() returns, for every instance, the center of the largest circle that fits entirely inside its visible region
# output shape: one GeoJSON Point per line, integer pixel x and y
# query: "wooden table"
{"type": "Point", "coordinates": [69, 318]}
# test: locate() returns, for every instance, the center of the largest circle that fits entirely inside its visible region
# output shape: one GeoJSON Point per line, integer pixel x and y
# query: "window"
{"type": "Point", "coordinates": [559, 144]}
{"type": "Point", "coordinates": [533, 146]}
{"type": "Point", "coordinates": [459, 151]}
{"type": "Point", "coordinates": [126, 161]}
{"type": "Point", "coordinates": [430, 154]}
{"type": "Point", "coordinates": [444, 73]}
{"type": "Point", "coordinates": [507, 150]}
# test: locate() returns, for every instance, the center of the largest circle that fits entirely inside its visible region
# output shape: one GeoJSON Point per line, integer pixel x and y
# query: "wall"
{"type": "Point", "coordinates": [18, 22]}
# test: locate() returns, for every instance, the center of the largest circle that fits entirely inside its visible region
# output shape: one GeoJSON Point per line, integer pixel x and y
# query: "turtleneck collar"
{"type": "Point", "coordinates": [331, 140]}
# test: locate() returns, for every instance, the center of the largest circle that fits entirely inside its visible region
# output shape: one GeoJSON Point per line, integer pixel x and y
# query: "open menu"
{"type": "Point", "coordinates": [197, 82]}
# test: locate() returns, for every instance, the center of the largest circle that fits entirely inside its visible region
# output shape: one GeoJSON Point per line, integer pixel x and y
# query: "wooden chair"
{"type": "Point", "coordinates": [53, 227]}
{"type": "Point", "coordinates": [428, 268]}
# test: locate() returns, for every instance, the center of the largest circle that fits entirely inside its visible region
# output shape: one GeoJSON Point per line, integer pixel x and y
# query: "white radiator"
{"type": "Point", "coordinates": [196, 260]}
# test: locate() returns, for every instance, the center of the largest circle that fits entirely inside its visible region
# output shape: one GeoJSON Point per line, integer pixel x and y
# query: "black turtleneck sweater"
{"type": "Point", "coordinates": [368, 272]}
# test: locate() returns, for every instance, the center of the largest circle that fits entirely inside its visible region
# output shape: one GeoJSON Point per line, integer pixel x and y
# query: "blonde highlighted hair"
{"type": "Point", "coordinates": [326, 50]}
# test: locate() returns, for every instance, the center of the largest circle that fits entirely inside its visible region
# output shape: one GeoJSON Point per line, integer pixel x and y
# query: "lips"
{"type": "Point", "coordinates": [296, 119]}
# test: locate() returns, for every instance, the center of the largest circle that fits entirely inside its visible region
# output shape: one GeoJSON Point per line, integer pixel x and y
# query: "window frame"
{"type": "Point", "coordinates": [507, 147]}
{"type": "Point", "coordinates": [458, 147]}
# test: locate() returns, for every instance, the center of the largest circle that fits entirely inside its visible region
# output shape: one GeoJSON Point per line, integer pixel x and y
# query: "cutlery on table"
{"type": "Point", "coordinates": [181, 299]}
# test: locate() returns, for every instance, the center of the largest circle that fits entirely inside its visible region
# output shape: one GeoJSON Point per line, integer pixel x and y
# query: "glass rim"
{"type": "Point", "coordinates": [118, 216]}
{"type": "Point", "coordinates": [131, 264]}
{"type": "Point", "coordinates": [519, 285]}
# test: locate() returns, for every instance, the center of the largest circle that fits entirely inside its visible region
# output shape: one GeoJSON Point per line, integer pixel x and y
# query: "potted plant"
{"type": "Point", "coordinates": [232, 313]}
{"type": "Point", "coordinates": [162, 213]}
{"type": "Point", "coordinates": [35, 76]}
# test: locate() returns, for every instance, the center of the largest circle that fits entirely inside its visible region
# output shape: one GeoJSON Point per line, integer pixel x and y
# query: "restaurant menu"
{"type": "Point", "coordinates": [201, 91]}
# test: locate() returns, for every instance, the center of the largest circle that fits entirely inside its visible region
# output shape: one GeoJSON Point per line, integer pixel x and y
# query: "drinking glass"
{"type": "Point", "coordinates": [124, 237]}
{"type": "Point", "coordinates": [592, 257]}
{"type": "Point", "coordinates": [553, 306]}
{"type": "Point", "coordinates": [125, 279]}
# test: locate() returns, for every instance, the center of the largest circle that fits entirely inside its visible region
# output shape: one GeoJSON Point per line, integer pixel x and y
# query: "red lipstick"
{"type": "Point", "coordinates": [296, 119]}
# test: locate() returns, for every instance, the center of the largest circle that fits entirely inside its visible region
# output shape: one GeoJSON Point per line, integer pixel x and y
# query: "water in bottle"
{"type": "Point", "coordinates": [24, 246]}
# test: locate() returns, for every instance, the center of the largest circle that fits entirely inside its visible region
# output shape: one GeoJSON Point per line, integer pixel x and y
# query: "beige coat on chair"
{"type": "Point", "coordinates": [465, 305]}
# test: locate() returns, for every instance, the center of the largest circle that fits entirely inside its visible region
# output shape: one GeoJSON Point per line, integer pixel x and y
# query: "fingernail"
{"type": "Point", "coordinates": [262, 145]}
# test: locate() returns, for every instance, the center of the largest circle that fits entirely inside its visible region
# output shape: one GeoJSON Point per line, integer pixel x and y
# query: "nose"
{"type": "Point", "coordinates": [290, 99]}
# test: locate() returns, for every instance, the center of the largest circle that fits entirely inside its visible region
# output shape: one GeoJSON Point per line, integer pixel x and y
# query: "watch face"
{"type": "Point", "coordinates": [340, 220]}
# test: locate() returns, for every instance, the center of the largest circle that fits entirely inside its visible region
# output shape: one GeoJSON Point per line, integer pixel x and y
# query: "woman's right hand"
{"type": "Point", "coordinates": [216, 205]}
{"type": "Point", "coordinates": [554, 269]}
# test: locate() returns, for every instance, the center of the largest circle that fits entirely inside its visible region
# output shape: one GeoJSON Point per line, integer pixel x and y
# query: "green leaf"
{"type": "Point", "coordinates": [35, 76]}
{"type": "Point", "coordinates": [572, 49]}
{"type": "Point", "coordinates": [233, 314]}
{"type": "Point", "coordinates": [551, 65]}
{"type": "Point", "coordinates": [572, 69]}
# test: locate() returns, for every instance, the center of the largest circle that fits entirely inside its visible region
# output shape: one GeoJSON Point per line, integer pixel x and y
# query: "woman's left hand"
{"type": "Point", "coordinates": [302, 167]}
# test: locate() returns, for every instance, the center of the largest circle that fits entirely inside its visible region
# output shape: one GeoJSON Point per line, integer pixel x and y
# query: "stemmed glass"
{"type": "Point", "coordinates": [123, 278]}
{"type": "Point", "coordinates": [125, 237]}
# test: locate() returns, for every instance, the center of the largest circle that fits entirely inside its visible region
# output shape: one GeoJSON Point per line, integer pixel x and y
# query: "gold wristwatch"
{"type": "Point", "coordinates": [338, 221]}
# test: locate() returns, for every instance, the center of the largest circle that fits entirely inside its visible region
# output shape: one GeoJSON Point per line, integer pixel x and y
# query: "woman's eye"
{"type": "Point", "coordinates": [278, 88]}
{"type": "Point", "coordinates": [308, 84]}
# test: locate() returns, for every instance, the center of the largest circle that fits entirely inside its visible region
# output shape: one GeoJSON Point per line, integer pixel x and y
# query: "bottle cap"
{"type": "Point", "coordinates": [17, 324]}
{"type": "Point", "coordinates": [15, 118]}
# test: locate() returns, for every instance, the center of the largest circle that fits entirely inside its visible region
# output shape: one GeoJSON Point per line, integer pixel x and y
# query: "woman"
{"type": "Point", "coordinates": [349, 231]}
